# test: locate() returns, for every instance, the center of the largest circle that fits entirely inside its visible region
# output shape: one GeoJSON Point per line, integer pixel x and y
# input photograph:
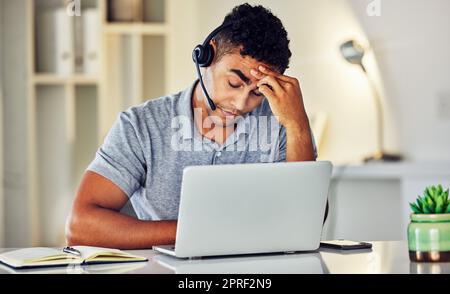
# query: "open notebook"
{"type": "Point", "coordinates": [40, 257]}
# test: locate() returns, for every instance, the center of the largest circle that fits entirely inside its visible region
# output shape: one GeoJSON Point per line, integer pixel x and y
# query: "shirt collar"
{"type": "Point", "coordinates": [185, 103]}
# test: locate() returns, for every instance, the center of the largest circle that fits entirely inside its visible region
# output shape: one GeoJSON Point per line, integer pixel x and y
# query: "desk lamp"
{"type": "Point", "coordinates": [354, 53]}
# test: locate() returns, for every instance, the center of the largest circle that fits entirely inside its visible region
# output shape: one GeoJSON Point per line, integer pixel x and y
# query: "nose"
{"type": "Point", "coordinates": [240, 103]}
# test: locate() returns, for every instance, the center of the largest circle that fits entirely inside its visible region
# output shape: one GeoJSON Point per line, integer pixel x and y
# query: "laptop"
{"type": "Point", "coordinates": [250, 209]}
{"type": "Point", "coordinates": [303, 263]}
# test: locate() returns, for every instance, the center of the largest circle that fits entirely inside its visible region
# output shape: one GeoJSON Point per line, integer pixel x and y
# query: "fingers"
{"type": "Point", "coordinates": [284, 81]}
{"type": "Point", "coordinates": [267, 92]}
{"type": "Point", "coordinates": [266, 79]}
{"type": "Point", "coordinates": [272, 82]}
{"type": "Point", "coordinates": [257, 74]}
{"type": "Point", "coordinates": [272, 73]}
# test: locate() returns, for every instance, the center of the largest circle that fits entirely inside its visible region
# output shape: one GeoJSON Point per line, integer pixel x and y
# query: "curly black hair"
{"type": "Point", "coordinates": [258, 34]}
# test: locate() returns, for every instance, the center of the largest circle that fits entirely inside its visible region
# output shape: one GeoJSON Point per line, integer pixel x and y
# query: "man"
{"type": "Point", "coordinates": [143, 157]}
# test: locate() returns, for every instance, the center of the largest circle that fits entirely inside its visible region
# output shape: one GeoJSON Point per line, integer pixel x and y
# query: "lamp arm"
{"type": "Point", "coordinates": [379, 113]}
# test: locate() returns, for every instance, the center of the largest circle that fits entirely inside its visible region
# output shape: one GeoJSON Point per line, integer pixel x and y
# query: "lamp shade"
{"type": "Point", "coordinates": [352, 52]}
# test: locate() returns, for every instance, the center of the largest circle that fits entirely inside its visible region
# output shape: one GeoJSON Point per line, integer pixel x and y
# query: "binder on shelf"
{"type": "Point", "coordinates": [78, 44]}
{"type": "Point", "coordinates": [65, 62]}
{"type": "Point", "coordinates": [91, 35]}
{"type": "Point", "coordinates": [44, 42]}
{"type": "Point", "coordinates": [55, 42]}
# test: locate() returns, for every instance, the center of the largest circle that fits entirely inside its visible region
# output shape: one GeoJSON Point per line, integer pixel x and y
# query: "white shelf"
{"type": "Point", "coordinates": [52, 79]}
{"type": "Point", "coordinates": [63, 119]}
{"type": "Point", "coordinates": [155, 29]}
{"type": "Point", "coordinates": [69, 115]}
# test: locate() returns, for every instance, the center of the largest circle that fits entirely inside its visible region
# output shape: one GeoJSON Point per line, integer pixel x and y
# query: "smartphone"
{"type": "Point", "coordinates": [345, 244]}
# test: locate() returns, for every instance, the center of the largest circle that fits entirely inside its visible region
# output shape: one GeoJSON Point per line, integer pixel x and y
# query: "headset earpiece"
{"type": "Point", "coordinates": [205, 55]}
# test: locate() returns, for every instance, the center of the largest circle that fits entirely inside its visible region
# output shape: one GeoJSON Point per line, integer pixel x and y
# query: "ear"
{"type": "Point", "coordinates": [213, 44]}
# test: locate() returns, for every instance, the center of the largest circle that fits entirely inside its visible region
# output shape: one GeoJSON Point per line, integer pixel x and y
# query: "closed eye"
{"type": "Point", "coordinates": [238, 86]}
{"type": "Point", "coordinates": [233, 86]}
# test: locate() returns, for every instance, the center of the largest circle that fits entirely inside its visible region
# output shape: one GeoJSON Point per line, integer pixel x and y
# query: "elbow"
{"type": "Point", "coordinates": [73, 230]}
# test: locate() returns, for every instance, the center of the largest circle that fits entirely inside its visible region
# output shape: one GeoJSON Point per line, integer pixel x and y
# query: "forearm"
{"type": "Point", "coordinates": [299, 145]}
{"type": "Point", "coordinates": [97, 226]}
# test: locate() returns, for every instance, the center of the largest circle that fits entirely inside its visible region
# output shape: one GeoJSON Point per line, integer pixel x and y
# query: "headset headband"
{"type": "Point", "coordinates": [215, 32]}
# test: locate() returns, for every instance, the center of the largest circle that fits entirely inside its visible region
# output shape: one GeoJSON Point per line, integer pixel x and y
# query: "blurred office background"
{"type": "Point", "coordinates": [64, 79]}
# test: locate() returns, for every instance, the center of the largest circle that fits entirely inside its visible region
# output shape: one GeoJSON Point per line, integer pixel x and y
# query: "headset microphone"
{"type": "Point", "coordinates": [211, 103]}
{"type": "Point", "coordinates": [203, 55]}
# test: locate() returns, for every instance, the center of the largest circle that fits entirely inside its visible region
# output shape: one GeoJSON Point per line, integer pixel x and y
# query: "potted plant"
{"type": "Point", "coordinates": [429, 230]}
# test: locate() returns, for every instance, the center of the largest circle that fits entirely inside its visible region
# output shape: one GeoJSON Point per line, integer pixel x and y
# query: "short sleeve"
{"type": "Point", "coordinates": [283, 142]}
{"type": "Point", "coordinates": [121, 159]}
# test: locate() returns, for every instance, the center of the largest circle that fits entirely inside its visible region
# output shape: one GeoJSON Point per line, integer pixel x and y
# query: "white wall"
{"type": "Point", "coordinates": [184, 19]}
{"type": "Point", "coordinates": [412, 42]}
{"type": "Point", "coordinates": [2, 215]}
{"type": "Point", "coordinates": [316, 29]}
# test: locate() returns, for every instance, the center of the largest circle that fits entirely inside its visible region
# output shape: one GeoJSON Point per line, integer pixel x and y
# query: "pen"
{"type": "Point", "coordinates": [72, 251]}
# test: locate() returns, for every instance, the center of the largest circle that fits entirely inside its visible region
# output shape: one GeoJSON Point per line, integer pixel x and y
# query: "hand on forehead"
{"type": "Point", "coordinates": [243, 66]}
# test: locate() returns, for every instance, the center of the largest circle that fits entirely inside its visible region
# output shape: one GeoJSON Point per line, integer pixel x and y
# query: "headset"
{"type": "Point", "coordinates": [203, 55]}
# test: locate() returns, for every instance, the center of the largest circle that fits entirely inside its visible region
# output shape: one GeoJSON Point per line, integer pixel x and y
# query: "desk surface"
{"type": "Point", "coordinates": [392, 170]}
{"type": "Point", "coordinates": [385, 257]}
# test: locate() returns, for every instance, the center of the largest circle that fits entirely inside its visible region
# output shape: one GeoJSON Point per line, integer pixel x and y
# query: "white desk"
{"type": "Point", "coordinates": [370, 202]}
{"type": "Point", "coordinates": [385, 257]}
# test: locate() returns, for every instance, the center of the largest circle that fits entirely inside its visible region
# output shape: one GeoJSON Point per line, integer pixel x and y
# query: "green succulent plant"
{"type": "Point", "coordinates": [434, 200]}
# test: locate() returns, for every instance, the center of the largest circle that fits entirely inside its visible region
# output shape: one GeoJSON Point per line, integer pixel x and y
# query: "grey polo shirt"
{"type": "Point", "coordinates": [149, 145]}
